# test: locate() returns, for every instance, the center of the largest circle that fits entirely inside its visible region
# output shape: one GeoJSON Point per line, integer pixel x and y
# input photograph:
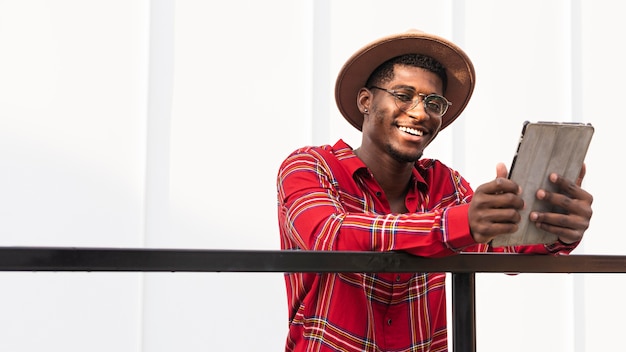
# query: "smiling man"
{"type": "Point", "coordinates": [400, 91]}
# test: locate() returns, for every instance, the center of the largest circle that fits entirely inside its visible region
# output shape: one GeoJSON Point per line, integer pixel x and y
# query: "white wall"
{"type": "Point", "coordinates": [161, 124]}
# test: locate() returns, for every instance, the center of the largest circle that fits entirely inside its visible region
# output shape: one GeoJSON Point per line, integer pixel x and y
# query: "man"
{"type": "Point", "coordinates": [400, 91]}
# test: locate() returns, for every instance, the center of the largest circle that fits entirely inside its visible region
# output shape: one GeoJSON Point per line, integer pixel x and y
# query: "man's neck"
{"type": "Point", "coordinates": [392, 175]}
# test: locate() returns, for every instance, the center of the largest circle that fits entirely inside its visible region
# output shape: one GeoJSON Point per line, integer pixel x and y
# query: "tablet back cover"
{"type": "Point", "coordinates": [544, 147]}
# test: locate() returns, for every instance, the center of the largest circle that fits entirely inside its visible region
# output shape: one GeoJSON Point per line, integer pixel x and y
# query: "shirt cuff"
{"type": "Point", "coordinates": [456, 230]}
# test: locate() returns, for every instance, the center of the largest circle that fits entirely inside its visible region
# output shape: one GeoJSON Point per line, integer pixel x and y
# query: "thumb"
{"type": "Point", "coordinates": [581, 175]}
{"type": "Point", "coordinates": [501, 170]}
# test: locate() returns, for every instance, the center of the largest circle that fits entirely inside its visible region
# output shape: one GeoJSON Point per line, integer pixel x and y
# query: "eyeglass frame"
{"type": "Point", "coordinates": [417, 101]}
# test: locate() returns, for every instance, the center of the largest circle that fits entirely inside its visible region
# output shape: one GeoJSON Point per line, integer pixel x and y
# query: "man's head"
{"type": "Point", "coordinates": [376, 61]}
{"type": "Point", "coordinates": [403, 107]}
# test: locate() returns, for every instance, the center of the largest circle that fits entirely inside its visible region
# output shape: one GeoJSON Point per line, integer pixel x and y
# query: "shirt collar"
{"type": "Point", "coordinates": [345, 154]}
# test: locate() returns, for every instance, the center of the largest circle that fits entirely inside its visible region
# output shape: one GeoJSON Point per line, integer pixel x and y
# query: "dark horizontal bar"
{"type": "Point", "coordinates": [210, 260]}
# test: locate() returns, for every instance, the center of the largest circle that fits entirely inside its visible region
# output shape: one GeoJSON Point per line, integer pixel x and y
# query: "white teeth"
{"type": "Point", "coordinates": [412, 131]}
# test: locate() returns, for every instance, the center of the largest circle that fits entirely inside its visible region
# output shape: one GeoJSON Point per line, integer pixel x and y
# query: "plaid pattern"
{"type": "Point", "coordinates": [328, 200]}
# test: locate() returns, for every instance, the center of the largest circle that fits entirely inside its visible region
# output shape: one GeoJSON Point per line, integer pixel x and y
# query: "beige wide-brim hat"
{"type": "Point", "coordinates": [356, 71]}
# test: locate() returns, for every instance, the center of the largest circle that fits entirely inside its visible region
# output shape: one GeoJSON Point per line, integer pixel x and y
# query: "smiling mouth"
{"type": "Point", "coordinates": [411, 131]}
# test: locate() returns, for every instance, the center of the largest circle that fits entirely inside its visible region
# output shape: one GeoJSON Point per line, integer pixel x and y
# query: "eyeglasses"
{"type": "Point", "coordinates": [434, 104]}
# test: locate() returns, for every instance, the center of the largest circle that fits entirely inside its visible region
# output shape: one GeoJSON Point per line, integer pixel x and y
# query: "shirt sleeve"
{"type": "Point", "coordinates": [312, 216]}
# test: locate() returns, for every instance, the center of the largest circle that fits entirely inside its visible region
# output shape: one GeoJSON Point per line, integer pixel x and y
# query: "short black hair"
{"type": "Point", "coordinates": [384, 72]}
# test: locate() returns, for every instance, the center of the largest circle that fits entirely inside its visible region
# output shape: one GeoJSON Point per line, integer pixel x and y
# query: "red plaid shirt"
{"type": "Point", "coordinates": [328, 200]}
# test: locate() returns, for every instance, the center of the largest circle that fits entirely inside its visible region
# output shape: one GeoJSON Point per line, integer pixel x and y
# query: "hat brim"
{"type": "Point", "coordinates": [356, 71]}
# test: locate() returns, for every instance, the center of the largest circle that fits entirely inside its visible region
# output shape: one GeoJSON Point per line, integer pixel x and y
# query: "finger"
{"type": "Point", "coordinates": [501, 170]}
{"type": "Point", "coordinates": [493, 231]}
{"type": "Point", "coordinates": [580, 207]}
{"type": "Point", "coordinates": [562, 221]}
{"type": "Point", "coordinates": [503, 173]}
{"type": "Point", "coordinates": [484, 203]}
{"type": "Point", "coordinates": [568, 228]}
{"type": "Point", "coordinates": [485, 224]}
{"type": "Point", "coordinates": [566, 235]}
{"type": "Point", "coordinates": [565, 187]}
{"type": "Point", "coordinates": [498, 186]}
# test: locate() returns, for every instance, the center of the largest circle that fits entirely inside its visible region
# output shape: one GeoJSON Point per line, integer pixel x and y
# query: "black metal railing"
{"type": "Point", "coordinates": [463, 267]}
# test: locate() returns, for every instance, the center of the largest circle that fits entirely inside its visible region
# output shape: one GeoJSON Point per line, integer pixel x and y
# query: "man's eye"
{"type": "Point", "coordinates": [404, 97]}
{"type": "Point", "coordinates": [434, 105]}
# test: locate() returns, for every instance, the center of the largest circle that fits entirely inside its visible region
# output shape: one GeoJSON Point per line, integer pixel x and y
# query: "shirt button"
{"type": "Point", "coordinates": [378, 194]}
{"type": "Point", "coordinates": [388, 321]}
{"type": "Point", "coordinates": [397, 278]}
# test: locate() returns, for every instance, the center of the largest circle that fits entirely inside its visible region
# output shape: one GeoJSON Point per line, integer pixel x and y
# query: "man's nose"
{"type": "Point", "coordinates": [418, 111]}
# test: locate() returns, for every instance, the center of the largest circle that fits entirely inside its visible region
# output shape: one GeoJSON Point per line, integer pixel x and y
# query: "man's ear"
{"type": "Point", "coordinates": [363, 100]}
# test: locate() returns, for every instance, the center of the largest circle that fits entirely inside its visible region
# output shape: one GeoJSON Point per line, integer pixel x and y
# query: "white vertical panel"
{"type": "Point", "coordinates": [158, 126]}
{"type": "Point", "coordinates": [72, 134]}
{"type": "Point", "coordinates": [322, 54]}
{"type": "Point", "coordinates": [158, 129]}
{"type": "Point", "coordinates": [602, 92]}
{"type": "Point", "coordinates": [72, 122]}
{"type": "Point", "coordinates": [241, 102]}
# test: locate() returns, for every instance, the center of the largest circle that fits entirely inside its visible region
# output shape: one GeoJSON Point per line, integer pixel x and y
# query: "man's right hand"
{"type": "Point", "coordinates": [494, 208]}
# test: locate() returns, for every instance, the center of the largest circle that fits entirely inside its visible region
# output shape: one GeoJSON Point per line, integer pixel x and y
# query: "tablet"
{"type": "Point", "coordinates": [544, 148]}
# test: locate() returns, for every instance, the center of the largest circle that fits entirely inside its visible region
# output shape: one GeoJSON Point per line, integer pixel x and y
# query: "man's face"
{"type": "Point", "coordinates": [402, 135]}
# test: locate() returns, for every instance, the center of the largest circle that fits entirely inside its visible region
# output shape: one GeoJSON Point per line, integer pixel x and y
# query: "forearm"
{"type": "Point", "coordinates": [328, 227]}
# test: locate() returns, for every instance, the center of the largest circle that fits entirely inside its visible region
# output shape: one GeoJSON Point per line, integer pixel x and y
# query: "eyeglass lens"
{"type": "Point", "coordinates": [435, 104]}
